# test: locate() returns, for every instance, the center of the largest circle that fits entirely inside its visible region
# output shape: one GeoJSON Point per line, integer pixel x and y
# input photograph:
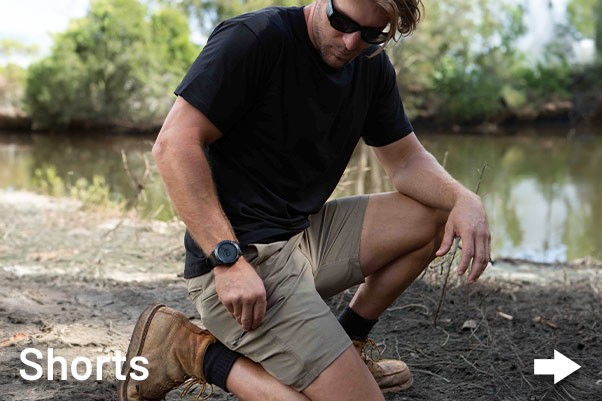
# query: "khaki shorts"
{"type": "Point", "coordinates": [299, 337]}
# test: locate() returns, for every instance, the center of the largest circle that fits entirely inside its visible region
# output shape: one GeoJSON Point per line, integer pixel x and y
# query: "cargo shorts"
{"type": "Point", "coordinates": [299, 337]}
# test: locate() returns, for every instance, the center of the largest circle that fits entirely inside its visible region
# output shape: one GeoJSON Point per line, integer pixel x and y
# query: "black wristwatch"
{"type": "Point", "coordinates": [226, 253]}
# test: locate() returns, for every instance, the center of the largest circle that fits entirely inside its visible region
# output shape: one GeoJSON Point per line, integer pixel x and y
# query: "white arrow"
{"type": "Point", "coordinates": [560, 366]}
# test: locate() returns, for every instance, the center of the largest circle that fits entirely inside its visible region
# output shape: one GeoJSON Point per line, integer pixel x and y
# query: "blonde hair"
{"type": "Point", "coordinates": [404, 16]}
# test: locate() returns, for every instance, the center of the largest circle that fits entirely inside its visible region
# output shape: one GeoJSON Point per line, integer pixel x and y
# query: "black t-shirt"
{"type": "Point", "coordinates": [289, 122]}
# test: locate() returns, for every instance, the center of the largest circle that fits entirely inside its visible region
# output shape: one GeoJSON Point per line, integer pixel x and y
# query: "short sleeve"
{"type": "Point", "coordinates": [225, 78]}
{"type": "Point", "coordinates": [386, 121]}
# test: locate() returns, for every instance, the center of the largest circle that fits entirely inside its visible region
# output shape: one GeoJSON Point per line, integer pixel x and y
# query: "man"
{"type": "Point", "coordinates": [262, 129]}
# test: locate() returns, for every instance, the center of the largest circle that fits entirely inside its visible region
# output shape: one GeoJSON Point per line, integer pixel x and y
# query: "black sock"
{"type": "Point", "coordinates": [354, 325]}
{"type": "Point", "coordinates": [217, 364]}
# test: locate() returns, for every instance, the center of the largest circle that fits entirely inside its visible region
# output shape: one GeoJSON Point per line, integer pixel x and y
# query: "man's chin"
{"type": "Point", "coordinates": [337, 62]}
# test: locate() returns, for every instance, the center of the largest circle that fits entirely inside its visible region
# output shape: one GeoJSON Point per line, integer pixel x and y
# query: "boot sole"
{"type": "Point", "coordinates": [136, 344]}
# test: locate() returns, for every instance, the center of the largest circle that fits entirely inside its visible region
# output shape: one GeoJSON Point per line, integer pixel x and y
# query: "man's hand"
{"type": "Point", "coordinates": [241, 291]}
{"type": "Point", "coordinates": [468, 221]}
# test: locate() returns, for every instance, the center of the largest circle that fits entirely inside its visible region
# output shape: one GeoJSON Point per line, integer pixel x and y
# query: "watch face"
{"type": "Point", "coordinates": [227, 253]}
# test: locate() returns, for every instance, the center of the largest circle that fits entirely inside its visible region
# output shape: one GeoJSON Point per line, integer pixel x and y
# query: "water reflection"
{"type": "Point", "coordinates": [542, 193]}
{"type": "Point", "coordinates": [87, 157]}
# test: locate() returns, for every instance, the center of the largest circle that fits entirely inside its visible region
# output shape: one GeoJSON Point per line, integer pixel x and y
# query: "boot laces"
{"type": "Point", "coordinates": [205, 389]}
{"type": "Point", "coordinates": [370, 350]}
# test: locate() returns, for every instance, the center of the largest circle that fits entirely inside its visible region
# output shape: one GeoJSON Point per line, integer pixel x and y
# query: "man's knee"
{"type": "Point", "coordinates": [347, 378]}
{"type": "Point", "coordinates": [400, 215]}
{"type": "Point", "coordinates": [438, 219]}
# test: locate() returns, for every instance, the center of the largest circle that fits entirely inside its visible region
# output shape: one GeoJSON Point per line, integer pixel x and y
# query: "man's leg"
{"type": "Point", "coordinates": [300, 342]}
{"type": "Point", "coordinates": [346, 379]}
{"type": "Point", "coordinates": [248, 381]}
{"type": "Point", "coordinates": [399, 239]}
{"type": "Point", "coordinates": [176, 351]}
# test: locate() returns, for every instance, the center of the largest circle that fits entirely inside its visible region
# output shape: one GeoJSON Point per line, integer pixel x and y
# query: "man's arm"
{"type": "Point", "coordinates": [417, 174]}
{"type": "Point", "coordinates": [180, 156]}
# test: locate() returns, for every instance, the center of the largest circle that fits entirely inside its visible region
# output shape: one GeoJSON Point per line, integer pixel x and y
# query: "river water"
{"type": "Point", "coordinates": [542, 190]}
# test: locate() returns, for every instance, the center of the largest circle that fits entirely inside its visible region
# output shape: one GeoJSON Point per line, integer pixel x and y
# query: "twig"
{"type": "Point", "coordinates": [526, 380]}
{"type": "Point", "coordinates": [481, 172]}
{"type": "Point", "coordinates": [448, 336]}
{"type": "Point", "coordinates": [474, 366]}
{"type": "Point", "coordinates": [450, 256]}
{"type": "Point", "coordinates": [138, 184]}
{"type": "Point", "coordinates": [114, 228]}
{"type": "Point", "coordinates": [569, 394]}
{"type": "Point", "coordinates": [157, 212]}
{"type": "Point", "coordinates": [560, 395]}
{"type": "Point", "coordinates": [545, 395]}
{"type": "Point", "coordinates": [432, 374]}
{"type": "Point", "coordinates": [126, 167]}
{"type": "Point", "coordinates": [410, 306]}
{"type": "Point", "coordinates": [472, 332]}
{"type": "Point", "coordinates": [501, 377]}
{"type": "Point", "coordinates": [448, 264]}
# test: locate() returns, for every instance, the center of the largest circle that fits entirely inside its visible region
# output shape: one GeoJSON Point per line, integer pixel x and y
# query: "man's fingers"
{"type": "Point", "coordinates": [448, 239]}
{"type": "Point", "coordinates": [246, 319]}
{"type": "Point", "coordinates": [236, 311]}
{"type": "Point", "coordinates": [239, 288]}
{"type": "Point", "coordinates": [258, 313]}
{"type": "Point", "coordinates": [479, 264]}
{"type": "Point", "coordinates": [467, 254]}
{"type": "Point", "coordinates": [480, 257]}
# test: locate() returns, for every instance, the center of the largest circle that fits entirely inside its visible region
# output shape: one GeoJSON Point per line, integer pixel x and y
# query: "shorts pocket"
{"type": "Point", "coordinates": [199, 287]}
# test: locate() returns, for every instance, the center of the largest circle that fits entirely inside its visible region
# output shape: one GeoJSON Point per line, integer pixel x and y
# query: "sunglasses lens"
{"type": "Point", "coordinates": [346, 25]}
{"type": "Point", "coordinates": [342, 24]}
{"type": "Point", "coordinates": [374, 37]}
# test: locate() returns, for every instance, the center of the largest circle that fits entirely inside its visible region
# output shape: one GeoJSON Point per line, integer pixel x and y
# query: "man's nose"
{"type": "Point", "coordinates": [352, 40]}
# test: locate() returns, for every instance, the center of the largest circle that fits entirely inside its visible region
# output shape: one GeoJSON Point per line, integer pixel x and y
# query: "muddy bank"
{"type": "Point", "coordinates": [75, 281]}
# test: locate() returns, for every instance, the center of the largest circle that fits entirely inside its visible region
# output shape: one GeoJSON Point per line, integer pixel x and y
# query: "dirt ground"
{"type": "Point", "coordinates": [76, 281]}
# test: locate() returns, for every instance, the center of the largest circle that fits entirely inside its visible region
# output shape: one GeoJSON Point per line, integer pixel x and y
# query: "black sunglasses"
{"type": "Point", "coordinates": [344, 24]}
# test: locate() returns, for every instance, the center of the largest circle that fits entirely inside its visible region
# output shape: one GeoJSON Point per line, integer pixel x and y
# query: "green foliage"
{"type": "Point", "coordinates": [581, 16]}
{"type": "Point", "coordinates": [117, 65]}
{"type": "Point", "coordinates": [466, 95]}
{"type": "Point", "coordinates": [95, 194]}
{"type": "Point", "coordinates": [12, 84]}
{"type": "Point", "coordinates": [586, 18]}
{"type": "Point", "coordinates": [10, 48]}
{"type": "Point", "coordinates": [546, 81]}
{"type": "Point", "coordinates": [12, 75]}
{"type": "Point", "coordinates": [598, 23]}
{"type": "Point", "coordinates": [48, 181]}
{"type": "Point", "coordinates": [459, 60]}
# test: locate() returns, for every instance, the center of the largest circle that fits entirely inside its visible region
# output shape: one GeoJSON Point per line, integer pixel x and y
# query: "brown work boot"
{"type": "Point", "coordinates": [390, 374]}
{"type": "Point", "coordinates": [174, 348]}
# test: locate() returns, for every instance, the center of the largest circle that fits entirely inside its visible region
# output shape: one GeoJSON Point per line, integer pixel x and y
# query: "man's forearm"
{"type": "Point", "coordinates": [424, 179]}
{"type": "Point", "coordinates": [187, 177]}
